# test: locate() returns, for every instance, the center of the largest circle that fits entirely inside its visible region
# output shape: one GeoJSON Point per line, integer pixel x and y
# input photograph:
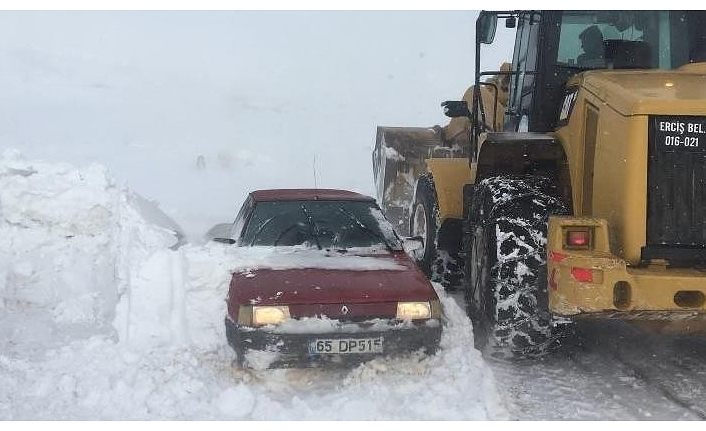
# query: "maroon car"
{"type": "Point", "coordinates": [335, 283]}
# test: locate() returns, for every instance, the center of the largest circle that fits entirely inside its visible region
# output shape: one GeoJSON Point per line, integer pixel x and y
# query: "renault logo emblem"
{"type": "Point", "coordinates": [344, 310]}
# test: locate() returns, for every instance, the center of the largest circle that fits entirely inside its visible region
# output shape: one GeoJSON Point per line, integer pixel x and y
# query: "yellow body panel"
{"type": "Point", "coordinates": [620, 182]}
{"type": "Point", "coordinates": [651, 91]}
{"type": "Point", "coordinates": [653, 290]}
{"type": "Point", "coordinates": [623, 100]}
{"type": "Point", "coordinates": [450, 175]}
{"type": "Point", "coordinates": [616, 209]}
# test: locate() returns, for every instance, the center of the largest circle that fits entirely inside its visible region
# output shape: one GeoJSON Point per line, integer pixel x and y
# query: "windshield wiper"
{"type": "Point", "coordinates": [259, 230]}
{"type": "Point", "coordinates": [312, 228]}
{"type": "Point", "coordinates": [366, 229]}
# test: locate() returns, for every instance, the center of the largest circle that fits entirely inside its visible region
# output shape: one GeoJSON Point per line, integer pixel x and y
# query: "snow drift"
{"type": "Point", "coordinates": [68, 240]}
{"type": "Point", "coordinates": [105, 315]}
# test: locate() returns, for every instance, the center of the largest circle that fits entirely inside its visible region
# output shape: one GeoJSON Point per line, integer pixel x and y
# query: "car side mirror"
{"type": "Point", "coordinates": [221, 230]}
{"type": "Point", "coordinates": [413, 243]}
{"type": "Point", "coordinates": [456, 108]}
{"type": "Point", "coordinates": [229, 241]}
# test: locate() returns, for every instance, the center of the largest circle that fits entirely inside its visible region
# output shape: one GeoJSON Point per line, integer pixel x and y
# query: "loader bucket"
{"type": "Point", "coordinates": [399, 159]}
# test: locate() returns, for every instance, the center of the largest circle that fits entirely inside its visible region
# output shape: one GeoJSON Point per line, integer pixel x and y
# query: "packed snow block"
{"type": "Point", "coordinates": [172, 296]}
{"type": "Point", "coordinates": [70, 238]}
{"type": "Point", "coordinates": [150, 311]}
{"type": "Point", "coordinates": [56, 229]}
{"type": "Point", "coordinates": [207, 276]}
{"type": "Point", "coordinates": [57, 198]}
{"type": "Point", "coordinates": [144, 281]}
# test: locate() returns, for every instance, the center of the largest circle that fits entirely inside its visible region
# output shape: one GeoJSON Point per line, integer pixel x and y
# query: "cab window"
{"type": "Point", "coordinates": [630, 39]}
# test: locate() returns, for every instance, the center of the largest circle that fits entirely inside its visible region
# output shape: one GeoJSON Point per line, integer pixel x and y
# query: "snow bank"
{"type": "Point", "coordinates": [69, 240]}
{"type": "Point", "coordinates": [81, 256]}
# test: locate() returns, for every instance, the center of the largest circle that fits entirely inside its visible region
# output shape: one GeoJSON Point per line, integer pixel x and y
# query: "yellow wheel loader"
{"type": "Point", "coordinates": [570, 184]}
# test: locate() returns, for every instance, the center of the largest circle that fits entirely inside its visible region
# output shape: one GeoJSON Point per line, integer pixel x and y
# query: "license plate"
{"type": "Point", "coordinates": [679, 133]}
{"type": "Point", "coordinates": [345, 345]}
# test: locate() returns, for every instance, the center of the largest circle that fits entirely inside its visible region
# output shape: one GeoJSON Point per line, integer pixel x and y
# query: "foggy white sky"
{"type": "Point", "coordinates": [257, 94]}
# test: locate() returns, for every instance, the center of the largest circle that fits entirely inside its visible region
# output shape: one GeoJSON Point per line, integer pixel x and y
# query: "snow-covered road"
{"type": "Point", "coordinates": [611, 371]}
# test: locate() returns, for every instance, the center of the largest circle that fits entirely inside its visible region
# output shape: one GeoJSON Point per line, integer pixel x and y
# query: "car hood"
{"type": "Point", "coordinates": [332, 285]}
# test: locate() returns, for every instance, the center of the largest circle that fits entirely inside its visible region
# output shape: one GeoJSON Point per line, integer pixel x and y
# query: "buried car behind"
{"type": "Point", "coordinates": [331, 283]}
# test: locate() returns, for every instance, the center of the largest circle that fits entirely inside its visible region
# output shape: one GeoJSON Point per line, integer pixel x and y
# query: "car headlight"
{"type": "Point", "coordinates": [269, 315]}
{"type": "Point", "coordinates": [413, 310]}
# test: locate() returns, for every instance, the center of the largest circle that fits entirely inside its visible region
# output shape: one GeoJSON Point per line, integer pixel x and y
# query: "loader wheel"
{"type": "Point", "coordinates": [439, 259]}
{"type": "Point", "coordinates": [424, 222]}
{"type": "Point", "coordinates": [506, 269]}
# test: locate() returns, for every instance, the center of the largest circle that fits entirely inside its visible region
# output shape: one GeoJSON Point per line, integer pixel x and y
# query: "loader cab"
{"type": "Point", "coordinates": [532, 33]}
{"type": "Point", "coordinates": [547, 45]}
{"type": "Point", "coordinates": [535, 41]}
{"type": "Point", "coordinates": [552, 46]}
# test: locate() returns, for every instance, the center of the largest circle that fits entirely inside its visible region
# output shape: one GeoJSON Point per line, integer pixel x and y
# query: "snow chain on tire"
{"type": "Point", "coordinates": [505, 239]}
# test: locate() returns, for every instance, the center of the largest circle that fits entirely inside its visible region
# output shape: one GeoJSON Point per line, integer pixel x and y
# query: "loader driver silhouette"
{"type": "Point", "coordinates": [593, 56]}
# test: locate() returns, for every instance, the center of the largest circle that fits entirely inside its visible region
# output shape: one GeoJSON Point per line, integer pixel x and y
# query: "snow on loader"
{"type": "Point", "coordinates": [569, 185]}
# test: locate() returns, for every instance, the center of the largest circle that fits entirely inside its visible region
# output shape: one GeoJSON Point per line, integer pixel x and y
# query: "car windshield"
{"type": "Point", "coordinates": [320, 224]}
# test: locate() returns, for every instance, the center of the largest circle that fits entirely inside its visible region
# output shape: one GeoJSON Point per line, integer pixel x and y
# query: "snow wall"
{"type": "Point", "coordinates": [81, 253]}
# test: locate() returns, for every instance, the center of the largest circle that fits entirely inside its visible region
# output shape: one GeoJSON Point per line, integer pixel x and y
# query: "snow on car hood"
{"type": "Point", "coordinates": [246, 259]}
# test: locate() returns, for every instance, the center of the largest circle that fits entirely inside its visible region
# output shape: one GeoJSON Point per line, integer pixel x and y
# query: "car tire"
{"type": "Point", "coordinates": [234, 342]}
{"type": "Point", "coordinates": [506, 270]}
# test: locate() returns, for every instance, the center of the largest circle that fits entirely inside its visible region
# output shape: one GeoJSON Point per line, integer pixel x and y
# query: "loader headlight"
{"type": "Point", "coordinates": [413, 310]}
{"type": "Point", "coordinates": [269, 315]}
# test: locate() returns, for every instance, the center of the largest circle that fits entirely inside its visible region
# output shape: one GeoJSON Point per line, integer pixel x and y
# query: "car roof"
{"type": "Point", "coordinates": [308, 195]}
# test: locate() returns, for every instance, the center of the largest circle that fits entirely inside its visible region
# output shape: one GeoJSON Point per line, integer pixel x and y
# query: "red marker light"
{"type": "Point", "coordinates": [583, 275]}
{"type": "Point", "coordinates": [557, 257]}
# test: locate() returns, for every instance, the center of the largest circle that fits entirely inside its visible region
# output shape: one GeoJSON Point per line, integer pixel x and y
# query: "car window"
{"type": "Point", "coordinates": [330, 224]}
{"type": "Point", "coordinates": [236, 230]}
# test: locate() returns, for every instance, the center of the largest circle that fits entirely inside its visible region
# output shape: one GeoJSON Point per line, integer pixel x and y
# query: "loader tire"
{"type": "Point", "coordinates": [439, 259]}
{"type": "Point", "coordinates": [424, 222]}
{"type": "Point", "coordinates": [506, 269]}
